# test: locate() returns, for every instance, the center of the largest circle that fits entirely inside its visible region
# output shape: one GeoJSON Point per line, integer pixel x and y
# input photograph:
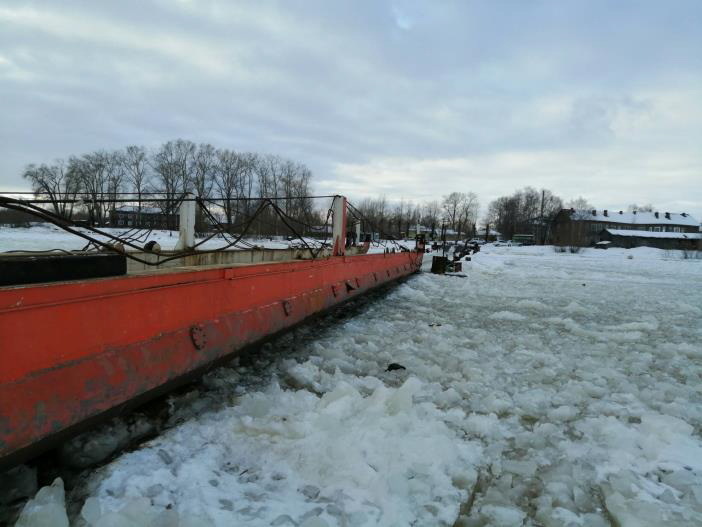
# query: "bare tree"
{"type": "Point", "coordinates": [530, 200]}
{"type": "Point", "coordinates": [92, 170]}
{"type": "Point", "coordinates": [460, 209]}
{"type": "Point", "coordinates": [398, 216]}
{"type": "Point", "coordinates": [171, 164]}
{"type": "Point", "coordinates": [431, 216]}
{"type": "Point", "coordinates": [55, 182]}
{"type": "Point", "coordinates": [640, 208]}
{"type": "Point", "coordinates": [116, 176]}
{"type": "Point", "coordinates": [527, 211]}
{"type": "Point", "coordinates": [375, 213]}
{"type": "Point", "coordinates": [579, 203]}
{"type": "Point", "coordinates": [412, 217]}
{"type": "Point", "coordinates": [173, 169]}
{"type": "Point", "coordinates": [452, 205]}
{"type": "Point", "coordinates": [204, 166]}
{"type": "Point", "coordinates": [296, 183]}
{"type": "Point", "coordinates": [549, 206]}
{"type": "Point", "coordinates": [228, 171]}
{"type": "Point", "coordinates": [288, 174]}
{"type": "Point", "coordinates": [136, 168]}
{"type": "Point", "coordinates": [467, 213]}
{"type": "Point", "coordinates": [268, 171]}
{"type": "Point", "coordinates": [245, 183]}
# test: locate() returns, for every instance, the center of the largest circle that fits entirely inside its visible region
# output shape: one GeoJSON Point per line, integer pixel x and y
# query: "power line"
{"type": "Point", "coordinates": [126, 239]}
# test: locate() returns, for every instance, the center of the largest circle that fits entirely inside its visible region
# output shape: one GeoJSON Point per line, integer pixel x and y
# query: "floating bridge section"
{"type": "Point", "coordinates": [77, 351]}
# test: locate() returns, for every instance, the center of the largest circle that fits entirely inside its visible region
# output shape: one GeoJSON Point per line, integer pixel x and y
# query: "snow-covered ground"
{"type": "Point", "coordinates": [44, 236]}
{"type": "Point", "coordinates": [545, 389]}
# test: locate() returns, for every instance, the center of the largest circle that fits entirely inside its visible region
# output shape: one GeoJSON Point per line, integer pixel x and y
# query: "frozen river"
{"type": "Point", "coordinates": [544, 389]}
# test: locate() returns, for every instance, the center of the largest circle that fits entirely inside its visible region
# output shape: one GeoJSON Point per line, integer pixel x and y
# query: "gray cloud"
{"type": "Point", "coordinates": [405, 98]}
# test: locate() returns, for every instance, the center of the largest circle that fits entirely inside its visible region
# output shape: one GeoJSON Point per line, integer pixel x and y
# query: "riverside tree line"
{"type": "Point", "coordinates": [177, 167]}
{"type": "Point", "coordinates": [526, 211]}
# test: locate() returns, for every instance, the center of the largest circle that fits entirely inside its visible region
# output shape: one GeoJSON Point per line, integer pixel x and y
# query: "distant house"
{"type": "Point", "coordinates": [525, 239]}
{"type": "Point", "coordinates": [492, 235]}
{"type": "Point", "coordinates": [320, 229]}
{"type": "Point", "coordinates": [423, 229]}
{"type": "Point", "coordinates": [665, 230]}
{"type": "Point", "coordinates": [660, 240]}
{"type": "Point", "coordinates": [450, 234]}
{"type": "Point", "coordinates": [144, 218]}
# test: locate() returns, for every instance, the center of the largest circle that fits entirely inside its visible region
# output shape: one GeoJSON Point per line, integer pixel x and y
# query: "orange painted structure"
{"type": "Point", "coordinates": [72, 352]}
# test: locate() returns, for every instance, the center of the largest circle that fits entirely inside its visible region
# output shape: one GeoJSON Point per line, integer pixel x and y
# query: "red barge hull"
{"type": "Point", "coordinates": [73, 352]}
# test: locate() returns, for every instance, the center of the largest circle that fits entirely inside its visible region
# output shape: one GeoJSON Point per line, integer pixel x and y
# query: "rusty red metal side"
{"type": "Point", "coordinates": [73, 351]}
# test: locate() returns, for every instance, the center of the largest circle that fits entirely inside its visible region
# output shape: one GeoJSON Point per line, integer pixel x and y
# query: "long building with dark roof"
{"type": "Point", "coordinates": [628, 229]}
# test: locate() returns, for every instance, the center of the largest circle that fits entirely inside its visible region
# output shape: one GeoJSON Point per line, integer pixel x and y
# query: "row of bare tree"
{"type": "Point", "coordinates": [181, 166]}
{"type": "Point", "coordinates": [457, 211]}
{"type": "Point", "coordinates": [175, 168]}
{"type": "Point", "coordinates": [531, 211]}
{"type": "Point", "coordinates": [527, 211]}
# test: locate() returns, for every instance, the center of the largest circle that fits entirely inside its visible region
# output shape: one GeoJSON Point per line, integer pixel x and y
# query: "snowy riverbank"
{"type": "Point", "coordinates": [44, 236]}
{"type": "Point", "coordinates": [543, 389]}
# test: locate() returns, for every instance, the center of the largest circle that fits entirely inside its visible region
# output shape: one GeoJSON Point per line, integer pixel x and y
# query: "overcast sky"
{"type": "Point", "coordinates": [407, 99]}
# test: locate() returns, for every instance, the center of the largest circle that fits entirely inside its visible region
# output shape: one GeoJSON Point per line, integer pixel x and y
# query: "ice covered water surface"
{"type": "Point", "coordinates": [545, 389]}
{"type": "Point", "coordinates": [357, 455]}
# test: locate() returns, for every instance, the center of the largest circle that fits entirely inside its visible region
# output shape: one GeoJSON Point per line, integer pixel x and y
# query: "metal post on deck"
{"type": "Point", "coordinates": [339, 225]}
{"type": "Point", "coordinates": [186, 238]}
